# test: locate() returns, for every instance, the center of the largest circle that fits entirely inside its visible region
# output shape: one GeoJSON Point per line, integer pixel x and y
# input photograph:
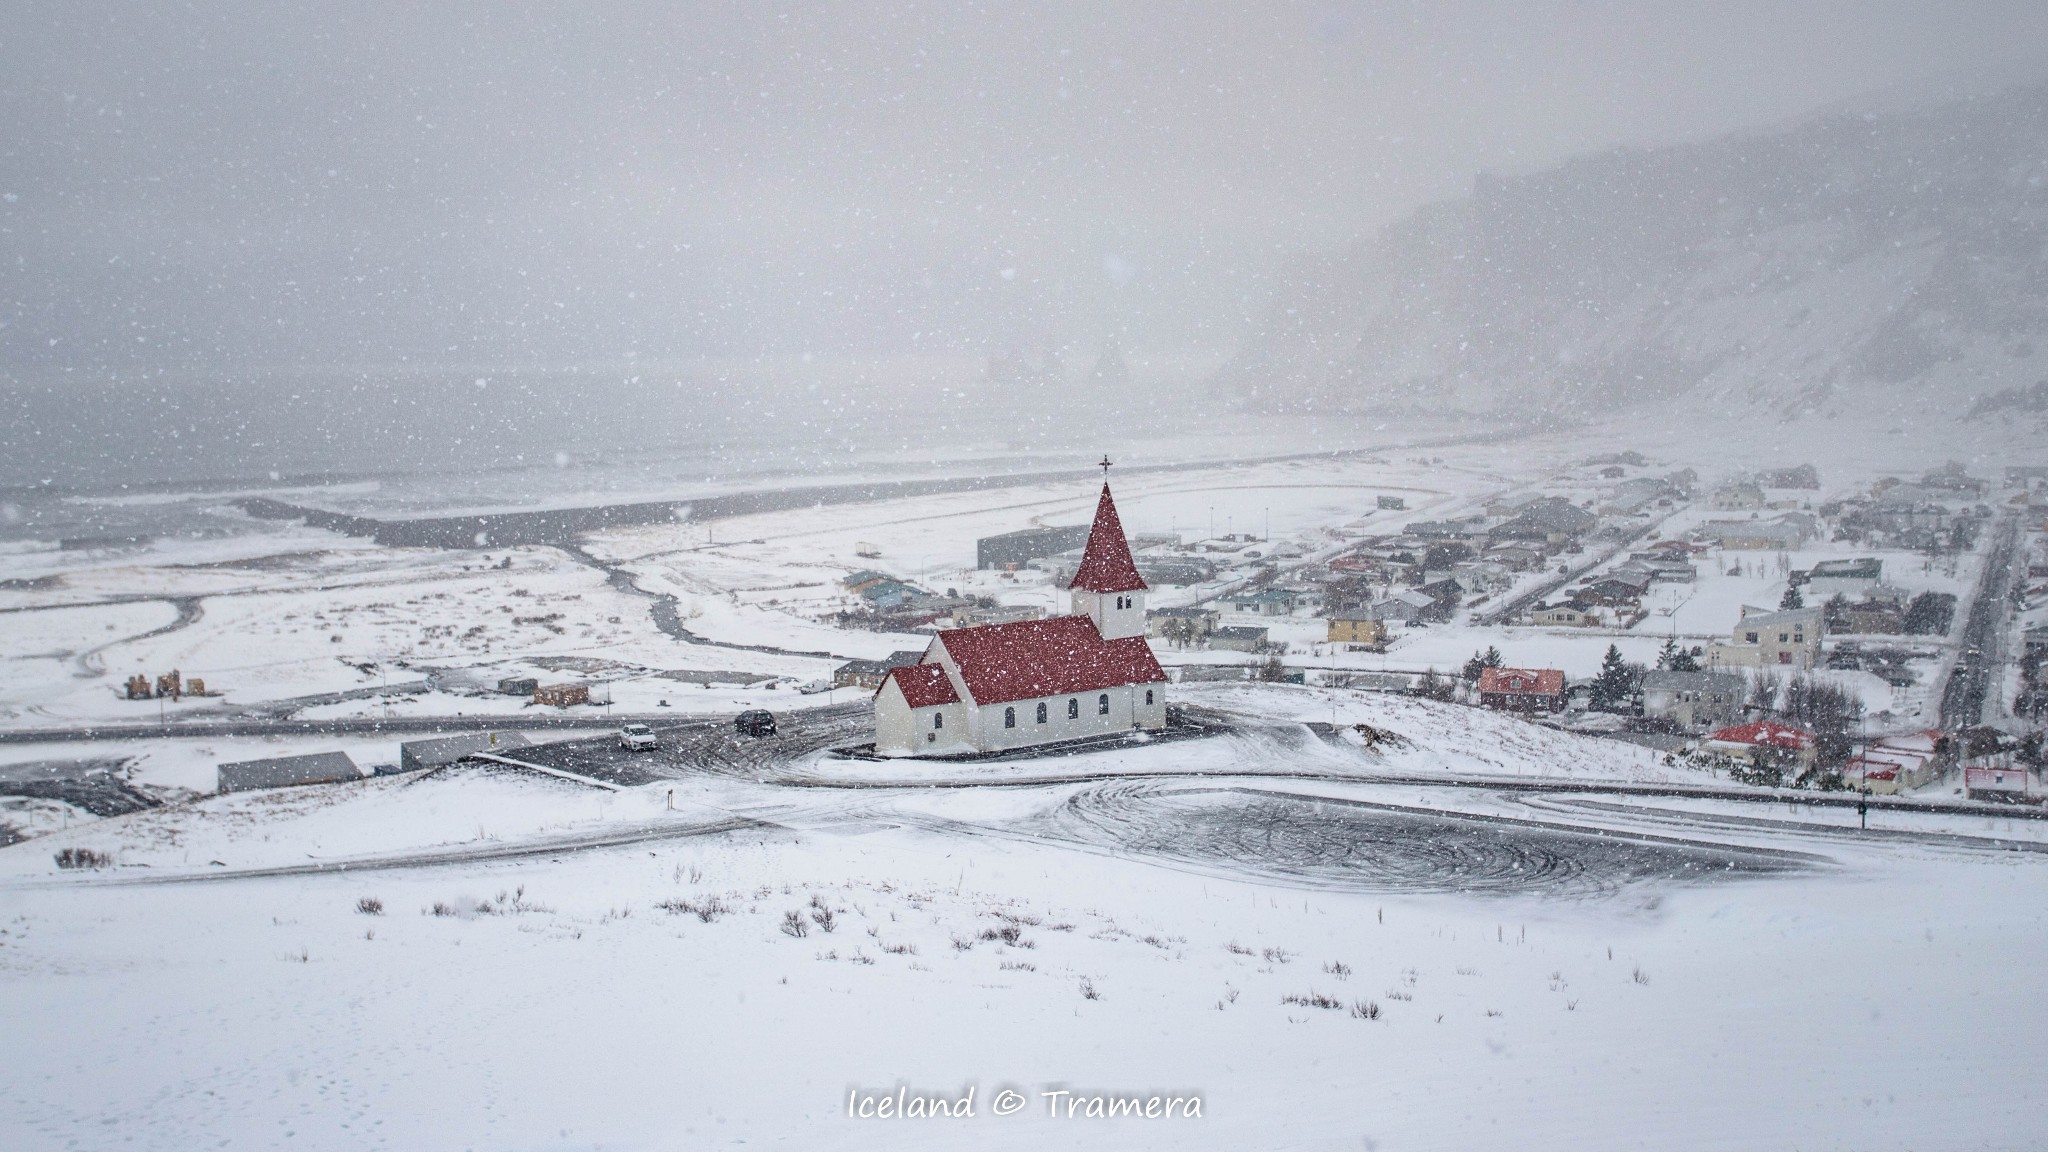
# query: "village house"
{"type": "Point", "coordinates": [1001, 686]}
{"type": "Point", "coordinates": [1761, 740]}
{"type": "Point", "coordinates": [1875, 617]}
{"type": "Point", "coordinates": [869, 674]}
{"type": "Point", "coordinates": [1407, 606]}
{"type": "Point", "coordinates": [1238, 639]}
{"type": "Point", "coordinates": [1621, 588]}
{"type": "Point", "coordinates": [1779, 534]}
{"type": "Point", "coordinates": [1551, 520]}
{"type": "Point", "coordinates": [1522, 689]}
{"type": "Point", "coordinates": [972, 615]}
{"type": "Point", "coordinates": [1362, 631]}
{"type": "Point", "coordinates": [1567, 615]}
{"type": "Point", "coordinates": [1738, 497]}
{"type": "Point", "coordinates": [1518, 555]}
{"type": "Point", "coordinates": [1263, 602]}
{"type": "Point", "coordinates": [1854, 579]}
{"type": "Point", "coordinates": [1893, 764]}
{"type": "Point", "coordinates": [1763, 639]}
{"type": "Point", "coordinates": [1692, 699]}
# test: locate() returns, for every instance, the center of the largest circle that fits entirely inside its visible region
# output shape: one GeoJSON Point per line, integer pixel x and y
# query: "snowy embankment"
{"type": "Point", "coordinates": [631, 998]}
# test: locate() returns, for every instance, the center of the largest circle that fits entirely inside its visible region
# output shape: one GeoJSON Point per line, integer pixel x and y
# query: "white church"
{"type": "Point", "coordinates": [1004, 686]}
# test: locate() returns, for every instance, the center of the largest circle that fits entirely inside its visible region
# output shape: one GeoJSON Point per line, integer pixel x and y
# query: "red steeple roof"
{"type": "Point", "coordinates": [1107, 565]}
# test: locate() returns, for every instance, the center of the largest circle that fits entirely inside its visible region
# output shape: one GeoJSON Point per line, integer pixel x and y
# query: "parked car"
{"type": "Point", "coordinates": [754, 722]}
{"type": "Point", "coordinates": [638, 738]}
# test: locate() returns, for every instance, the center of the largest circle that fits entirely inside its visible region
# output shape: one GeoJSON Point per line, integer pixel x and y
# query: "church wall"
{"type": "Point", "coordinates": [993, 736]}
{"type": "Point", "coordinates": [901, 730]}
{"type": "Point", "coordinates": [895, 732]}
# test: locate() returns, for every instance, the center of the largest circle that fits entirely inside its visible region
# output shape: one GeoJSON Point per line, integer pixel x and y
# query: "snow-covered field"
{"type": "Point", "coordinates": [1074, 938]}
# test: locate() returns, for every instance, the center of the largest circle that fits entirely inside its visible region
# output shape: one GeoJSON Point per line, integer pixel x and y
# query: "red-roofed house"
{"type": "Point", "coordinates": [1522, 689]}
{"type": "Point", "coordinates": [1761, 737]}
{"type": "Point", "coordinates": [1031, 682]}
{"type": "Point", "coordinates": [1897, 763]}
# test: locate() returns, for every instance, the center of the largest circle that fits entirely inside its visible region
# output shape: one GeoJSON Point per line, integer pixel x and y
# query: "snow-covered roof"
{"type": "Point", "coordinates": [1033, 658]}
{"type": "Point", "coordinates": [1522, 681]}
{"type": "Point", "coordinates": [924, 685]}
{"type": "Point", "coordinates": [1765, 734]}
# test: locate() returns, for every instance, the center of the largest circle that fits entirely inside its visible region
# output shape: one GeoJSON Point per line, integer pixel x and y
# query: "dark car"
{"type": "Point", "coordinates": [754, 722]}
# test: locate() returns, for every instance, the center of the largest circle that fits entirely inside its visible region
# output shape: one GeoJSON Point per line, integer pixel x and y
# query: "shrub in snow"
{"type": "Point", "coordinates": [83, 858]}
{"type": "Point", "coordinates": [1365, 1010]}
{"type": "Point", "coordinates": [1312, 1000]}
{"type": "Point", "coordinates": [793, 924]}
{"type": "Point", "coordinates": [370, 906]}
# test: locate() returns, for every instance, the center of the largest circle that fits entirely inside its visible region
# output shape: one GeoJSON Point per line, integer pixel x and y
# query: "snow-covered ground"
{"type": "Point", "coordinates": [1031, 940]}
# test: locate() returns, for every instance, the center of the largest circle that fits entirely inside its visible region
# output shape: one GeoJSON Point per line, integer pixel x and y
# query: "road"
{"type": "Point", "coordinates": [1975, 675]}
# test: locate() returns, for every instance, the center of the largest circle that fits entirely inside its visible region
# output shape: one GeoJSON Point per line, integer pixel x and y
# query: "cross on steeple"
{"type": "Point", "coordinates": [1105, 466]}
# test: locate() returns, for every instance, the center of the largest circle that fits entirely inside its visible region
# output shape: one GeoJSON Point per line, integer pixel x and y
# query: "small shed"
{"type": "Point", "coordinates": [287, 772]}
{"type": "Point", "coordinates": [414, 755]}
{"type": "Point", "coordinates": [1239, 639]}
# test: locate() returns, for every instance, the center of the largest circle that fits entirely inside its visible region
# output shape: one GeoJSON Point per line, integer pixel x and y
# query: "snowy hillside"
{"type": "Point", "coordinates": [1894, 260]}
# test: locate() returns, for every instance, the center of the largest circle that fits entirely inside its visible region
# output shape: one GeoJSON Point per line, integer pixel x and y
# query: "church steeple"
{"type": "Point", "coordinates": [1107, 587]}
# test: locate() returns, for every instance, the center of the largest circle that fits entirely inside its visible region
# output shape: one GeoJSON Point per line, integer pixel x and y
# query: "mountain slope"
{"type": "Point", "coordinates": [1897, 260]}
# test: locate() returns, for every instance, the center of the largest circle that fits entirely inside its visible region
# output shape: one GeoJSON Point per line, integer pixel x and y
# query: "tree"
{"type": "Point", "coordinates": [1930, 614]}
{"type": "Point", "coordinates": [1480, 662]}
{"type": "Point", "coordinates": [1763, 693]}
{"type": "Point", "coordinates": [1672, 658]}
{"type": "Point", "coordinates": [1615, 687]}
{"type": "Point", "coordinates": [1835, 613]}
{"type": "Point", "coordinates": [1831, 713]}
{"type": "Point", "coordinates": [1434, 687]}
{"type": "Point", "coordinates": [1792, 598]}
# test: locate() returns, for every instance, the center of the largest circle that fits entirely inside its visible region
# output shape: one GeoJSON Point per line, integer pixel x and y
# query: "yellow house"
{"type": "Point", "coordinates": [1357, 630]}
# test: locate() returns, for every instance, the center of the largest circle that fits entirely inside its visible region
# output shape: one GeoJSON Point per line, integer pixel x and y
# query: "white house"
{"type": "Point", "coordinates": [1030, 682]}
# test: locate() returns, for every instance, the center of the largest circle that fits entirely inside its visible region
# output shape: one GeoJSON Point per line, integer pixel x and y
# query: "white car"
{"type": "Point", "coordinates": [638, 738]}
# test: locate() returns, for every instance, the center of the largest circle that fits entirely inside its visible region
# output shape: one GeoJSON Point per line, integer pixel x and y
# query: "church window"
{"type": "Point", "coordinates": [1148, 697]}
{"type": "Point", "coordinates": [938, 719]}
{"type": "Point", "coordinates": [1009, 717]}
{"type": "Point", "coordinates": [1074, 709]}
{"type": "Point", "coordinates": [1102, 704]}
{"type": "Point", "coordinates": [1041, 713]}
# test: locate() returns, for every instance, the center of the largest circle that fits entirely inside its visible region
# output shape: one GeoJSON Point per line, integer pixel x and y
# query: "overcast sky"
{"type": "Point", "coordinates": [361, 183]}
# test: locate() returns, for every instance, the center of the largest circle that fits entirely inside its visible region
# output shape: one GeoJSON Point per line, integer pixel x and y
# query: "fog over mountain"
{"type": "Point", "coordinates": [1894, 258]}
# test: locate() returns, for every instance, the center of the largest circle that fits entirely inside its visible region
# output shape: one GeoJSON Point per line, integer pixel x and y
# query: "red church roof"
{"type": "Point", "coordinates": [924, 685]}
{"type": "Point", "coordinates": [1033, 658]}
{"type": "Point", "coordinates": [1522, 681]}
{"type": "Point", "coordinates": [1107, 565]}
{"type": "Point", "coordinates": [1767, 734]}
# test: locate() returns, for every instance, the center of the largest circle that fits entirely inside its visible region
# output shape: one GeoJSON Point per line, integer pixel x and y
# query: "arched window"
{"type": "Point", "coordinates": [1148, 697]}
{"type": "Point", "coordinates": [1102, 704]}
{"type": "Point", "coordinates": [1009, 717]}
{"type": "Point", "coordinates": [1041, 713]}
{"type": "Point", "coordinates": [1073, 709]}
{"type": "Point", "coordinates": [938, 719]}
